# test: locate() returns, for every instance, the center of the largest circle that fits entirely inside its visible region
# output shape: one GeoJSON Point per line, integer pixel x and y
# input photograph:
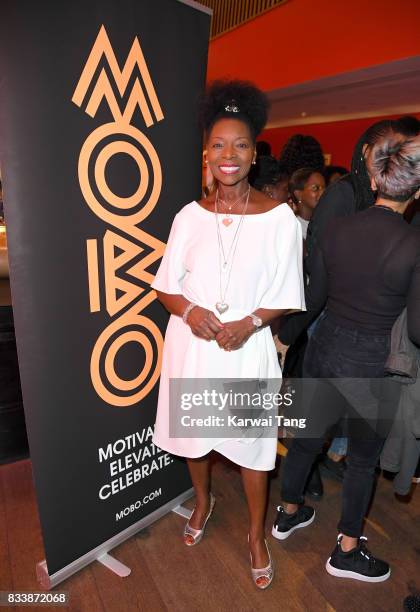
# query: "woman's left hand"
{"type": "Point", "coordinates": [235, 334]}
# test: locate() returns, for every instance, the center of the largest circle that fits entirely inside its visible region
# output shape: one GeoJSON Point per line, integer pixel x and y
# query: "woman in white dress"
{"type": "Point", "coordinates": [233, 263]}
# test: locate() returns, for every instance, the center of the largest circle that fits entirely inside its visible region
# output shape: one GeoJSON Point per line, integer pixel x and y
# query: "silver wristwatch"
{"type": "Point", "coordinates": [257, 321]}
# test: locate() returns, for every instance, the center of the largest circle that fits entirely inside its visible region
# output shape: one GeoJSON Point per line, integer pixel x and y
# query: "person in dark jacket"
{"type": "Point", "coordinates": [367, 271]}
{"type": "Point", "coordinates": [353, 192]}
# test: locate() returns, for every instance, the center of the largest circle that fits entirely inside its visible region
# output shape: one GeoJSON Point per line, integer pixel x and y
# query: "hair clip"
{"type": "Point", "coordinates": [231, 107]}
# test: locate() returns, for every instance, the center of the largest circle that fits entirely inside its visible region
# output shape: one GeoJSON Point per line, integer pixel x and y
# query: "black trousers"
{"type": "Point", "coordinates": [348, 366]}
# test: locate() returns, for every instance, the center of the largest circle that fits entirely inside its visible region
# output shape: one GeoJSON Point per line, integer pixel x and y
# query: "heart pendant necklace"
{"type": "Point", "coordinates": [226, 261]}
{"type": "Point", "coordinates": [221, 307]}
{"type": "Point", "coordinates": [227, 221]}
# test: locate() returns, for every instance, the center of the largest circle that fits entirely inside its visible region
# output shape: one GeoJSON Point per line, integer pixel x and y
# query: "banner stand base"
{"type": "Point", "coordinates": [182, 511]}
{"type": "Point", "coordinates": [99, 553]}
{"type": "Point", "coordinates": [114, 565]}
{"type": "Point", "coordinates": [42, 575]}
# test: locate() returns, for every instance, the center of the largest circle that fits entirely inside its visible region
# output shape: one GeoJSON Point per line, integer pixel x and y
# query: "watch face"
{"type": "Point", "coordinates": [257, 321]}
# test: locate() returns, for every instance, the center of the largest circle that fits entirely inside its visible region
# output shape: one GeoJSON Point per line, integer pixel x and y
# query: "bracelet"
{"type": "Point", "coordinates": [187, 311]}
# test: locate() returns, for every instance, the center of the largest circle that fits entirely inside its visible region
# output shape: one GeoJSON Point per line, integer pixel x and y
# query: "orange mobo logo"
{"type": "Point", "coordinates": [125, 298]}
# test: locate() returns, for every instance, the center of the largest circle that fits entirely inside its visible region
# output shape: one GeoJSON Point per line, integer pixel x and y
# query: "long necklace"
{"type": "Point", "coordinates": [228, 219]}
{"type": "Point", "coordinates": [226, 261]}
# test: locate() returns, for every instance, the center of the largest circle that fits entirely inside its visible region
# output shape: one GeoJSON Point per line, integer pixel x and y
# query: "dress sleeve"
{"type": "Point", "coordinates": [171, 271]}
{"type": "Point", "coordinates": [287, 289]}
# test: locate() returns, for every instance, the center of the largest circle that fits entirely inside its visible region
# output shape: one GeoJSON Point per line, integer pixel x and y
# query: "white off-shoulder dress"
{"type": "Point", "coordinates": [266, 273]}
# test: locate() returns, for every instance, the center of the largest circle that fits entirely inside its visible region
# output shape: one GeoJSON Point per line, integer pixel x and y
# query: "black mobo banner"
{"type": "Point", "coordinates": [99, 149]}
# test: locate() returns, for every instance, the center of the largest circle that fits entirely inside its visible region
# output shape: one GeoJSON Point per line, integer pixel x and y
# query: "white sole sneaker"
{"type": "Point", "coordinates": [338, 573]}
{"type": "Point", "coordinates": [282, 535]}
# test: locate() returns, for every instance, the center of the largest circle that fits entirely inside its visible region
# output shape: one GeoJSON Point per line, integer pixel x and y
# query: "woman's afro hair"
{"type": "Point", "coordinates": [251, 104]}
{"type": "Point", "coordinates": [302, 151]}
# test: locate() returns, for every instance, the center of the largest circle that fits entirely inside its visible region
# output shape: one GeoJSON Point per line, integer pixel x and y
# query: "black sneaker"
{"type": "Point", "coordinates": [412, 603]}
{"type": "Point", "coordinates": [285, 524]}
{"type": "Point", "coordinates": [358, 564]}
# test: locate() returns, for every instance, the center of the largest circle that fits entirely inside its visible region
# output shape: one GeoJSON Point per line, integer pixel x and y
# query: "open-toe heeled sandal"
{"type": "Point", "coordinates": [193, 536]}
{"type": "Point", "coordinates": [264, 572]}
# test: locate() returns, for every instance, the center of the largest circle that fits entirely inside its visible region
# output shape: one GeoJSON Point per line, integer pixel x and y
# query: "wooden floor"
{"type": "Point", "coordinates": [215, 575]}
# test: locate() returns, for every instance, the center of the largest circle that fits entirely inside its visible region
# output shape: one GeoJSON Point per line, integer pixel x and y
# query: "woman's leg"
{"type": "Point", "coordinates": [370, 419]}
{"type": "Point", "coordinates": [200, 476]}
{"type": "Point", "coordinates": [255, 486]}
{"type": "Point", "coordinates": [297, 466]}
{"type": "Point", "coordinates": [358, 482]}
{"type": "Point", "coordinates": [322, 406]}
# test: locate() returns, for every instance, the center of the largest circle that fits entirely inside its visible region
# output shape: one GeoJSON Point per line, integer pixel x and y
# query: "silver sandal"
{"type": "Point", "coordinates": [197, 534]}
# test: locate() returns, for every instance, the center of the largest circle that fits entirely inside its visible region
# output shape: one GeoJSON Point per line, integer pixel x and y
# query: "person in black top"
{"type": "Point", "coordinates": [367, 271]}
{"type": "Point", "coordinates": [353, 192]}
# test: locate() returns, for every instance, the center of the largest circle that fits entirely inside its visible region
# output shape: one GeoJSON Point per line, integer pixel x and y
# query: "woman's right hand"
{"type": "Point", "coordinates": [203, 323]}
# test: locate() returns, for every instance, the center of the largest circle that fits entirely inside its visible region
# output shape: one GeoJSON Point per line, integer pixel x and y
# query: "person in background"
{"type": "Point", "coordinates": [267, 176]}
{"type": "Point", "coordinates": [353, 192]}
{"type": "Point", "coordinates": [334, 173]}
{"type": "Point", "coordinates": [302, 152]}
{"type": "Point", "coordinates": [368, 272]}
{"type": "Point", "coordinates": [306, 187]}
{"type": "Point", "coordinates": [263, 148]}
{"type": "Point", "coordinates": [350, 194]}
{"type": "Point", "coordinates": [281, 189]}
{"type": "Point", "coordinates": [408, 124]}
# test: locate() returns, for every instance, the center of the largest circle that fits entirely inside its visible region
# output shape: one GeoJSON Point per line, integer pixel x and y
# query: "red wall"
{"type": "Point", "coordinates": [337, 138]}
{"type": "Point", "coordinates": [306, 39]}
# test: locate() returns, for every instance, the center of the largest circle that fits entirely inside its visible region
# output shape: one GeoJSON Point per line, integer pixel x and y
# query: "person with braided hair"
{"type": "Point", "coordinates": [353, 192]}
{"type": "Point", "coordinates": [233, 263]}
{"type": "Point", "coordinates": [347, 196]}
